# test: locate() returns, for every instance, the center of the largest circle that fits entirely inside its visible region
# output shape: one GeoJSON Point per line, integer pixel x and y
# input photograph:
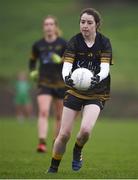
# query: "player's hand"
{"type": "Point", "coordinates": [69, 81]}
{"type": "Point", "coordinates": [95, 80]}
{"type": "Point", "coordinates": [56, 58]}
{"type": "Point", "coordinates": [34, 75]}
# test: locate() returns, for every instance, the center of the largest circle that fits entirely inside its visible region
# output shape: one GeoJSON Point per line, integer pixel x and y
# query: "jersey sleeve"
{"type": "Point", "coordinates": [33, 58]}
{"type": "Point", "coordinates": [106, 53]}
{"type": "Point", "coordinates": [70, 52]}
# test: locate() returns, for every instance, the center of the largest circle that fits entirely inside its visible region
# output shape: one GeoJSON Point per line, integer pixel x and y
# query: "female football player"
{"type": "Point", "coordinates": [48, 51]}
{"type": "Point", "coordinates": [92, 50]}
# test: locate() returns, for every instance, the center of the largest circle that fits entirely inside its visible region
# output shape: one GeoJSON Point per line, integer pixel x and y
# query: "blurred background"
{"type": "Point", "coordinates": [21, 26]}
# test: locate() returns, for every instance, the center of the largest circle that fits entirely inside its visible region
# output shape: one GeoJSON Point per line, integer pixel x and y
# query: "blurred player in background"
{"type": "Point", "coordinates": [22, 97]}
{"type": "Point", "coordinates": [50, 85]}
{"type": "Point", "coordinates": [92, 50]}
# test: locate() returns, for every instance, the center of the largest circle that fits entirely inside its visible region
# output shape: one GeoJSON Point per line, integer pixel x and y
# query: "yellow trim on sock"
{"type": "Point", "coordinates": [57, 156]}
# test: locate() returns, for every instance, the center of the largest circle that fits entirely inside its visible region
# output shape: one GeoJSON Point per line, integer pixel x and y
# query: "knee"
{"type": "Point", "coordinates": [64, 137]}
{"type": "Point", "coordinates": [85, 133]}
{"type": "Point", "coordinates": [43, 113]}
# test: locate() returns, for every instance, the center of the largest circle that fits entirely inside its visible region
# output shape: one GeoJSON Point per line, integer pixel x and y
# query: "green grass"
{"type": "Point", "coordinates": [21, 25]}
{"type": "Point", "coordinates": [112, 152]}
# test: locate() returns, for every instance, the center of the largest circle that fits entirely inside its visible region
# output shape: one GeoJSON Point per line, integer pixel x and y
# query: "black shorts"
{"type": "Point", "coordinates": [57, 93]}
{"type": "Point", "coordinates": [76, 103]}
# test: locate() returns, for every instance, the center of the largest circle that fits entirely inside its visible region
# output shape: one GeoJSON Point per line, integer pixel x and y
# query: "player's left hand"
{"type": "Point", "coordinates": [56, 58]}
{"type": "Point", "coordinates": [95, 80]}
{"type": "Point", "coordinates": [34, 75]}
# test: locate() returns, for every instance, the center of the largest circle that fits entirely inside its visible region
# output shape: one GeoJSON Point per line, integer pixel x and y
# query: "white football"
{"type": "Point", "coordinates": [82, 78]}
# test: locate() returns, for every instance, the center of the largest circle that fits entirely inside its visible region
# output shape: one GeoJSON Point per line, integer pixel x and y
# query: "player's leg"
{"type": "Point", "coordinates": [18, 108]}
{"type": "Point", "coordinates": [28, 110]}
{"type": "Point", "coordinates": [19, 112]}
{"type": "Point", "coordinates": [28, 106]}
{"type": "Point", "coordinates": [90, 115]}
{"type": "Point", "coordinates": [58, 108]}
{"type": "Point", "coordinates": [44, 103]}
{"type": "Point", "coordinates": [25, 105]}
{"type": "Point", "coordinates": [59, 147]}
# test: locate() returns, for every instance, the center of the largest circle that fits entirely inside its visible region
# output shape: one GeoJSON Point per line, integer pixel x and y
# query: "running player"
{"type": "Point", "coordinates": [92, 50]}
{"type": "Point", "coordinates": [48, 51]}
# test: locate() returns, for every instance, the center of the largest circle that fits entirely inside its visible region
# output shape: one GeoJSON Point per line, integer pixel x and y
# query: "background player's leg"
{"type": "Point", "coordinates": [28, 110]}
{"type": "Point", "coordinates": [19, 113]}
{"type": "Point", "coordinates": [58, 108]}
{"type": "Point", "coordinates": [44, 103]}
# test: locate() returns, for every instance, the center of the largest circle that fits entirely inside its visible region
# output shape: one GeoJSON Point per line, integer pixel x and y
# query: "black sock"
{"type": "Point", "coordinates": [42, 141]}
{"type": "Point", "coordinates": [55, 163]}
{"type": "Point", "coordinates": [76, 146]}
{"type": "Point", "coordinates": [77, 152]}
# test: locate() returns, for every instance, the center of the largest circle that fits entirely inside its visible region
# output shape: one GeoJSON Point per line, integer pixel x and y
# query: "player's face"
{"type": "Point", "coordinates": [87, 25]}
{"type": "Point", "coordinates": [49, 27]}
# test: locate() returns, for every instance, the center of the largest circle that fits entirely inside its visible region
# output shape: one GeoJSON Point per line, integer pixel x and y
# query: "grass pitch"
{"type": "Point", "coordinates": [112, 151]}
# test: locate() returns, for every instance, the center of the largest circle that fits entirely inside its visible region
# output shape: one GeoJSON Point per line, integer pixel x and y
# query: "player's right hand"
{"type": "Point", "coordinates": [34, 75]}
{"type": "Point", "coordinates": [69, 81]}
{"type": "Point", "coordinates": [94, 82]}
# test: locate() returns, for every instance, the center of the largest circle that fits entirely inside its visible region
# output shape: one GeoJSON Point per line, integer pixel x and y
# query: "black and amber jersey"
{"type": "Point", "coordinates": [50, 73]}
{"type": "Point", "coordinates": [80, 55]}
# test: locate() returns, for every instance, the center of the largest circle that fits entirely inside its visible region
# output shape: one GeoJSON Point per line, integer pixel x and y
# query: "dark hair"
{"type": "Point", "coordinates": [94, 13]}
